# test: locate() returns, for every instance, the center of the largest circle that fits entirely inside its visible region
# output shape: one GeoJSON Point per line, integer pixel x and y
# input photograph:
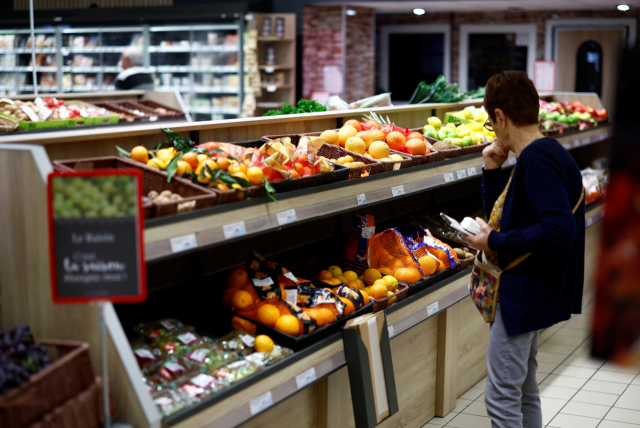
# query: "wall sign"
{"type": "Point", "coordinates": [95, 236]}
{"type": "Point", "coordinates": [544, 76]}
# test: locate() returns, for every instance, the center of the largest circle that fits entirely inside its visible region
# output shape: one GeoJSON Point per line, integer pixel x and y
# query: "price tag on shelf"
{"type": "Point", "coordinates": [183, 243]}
{"type": "Point", "coordinates": [291, 276]}
{"type": "Point", "coordinates": [306, 377]}
{"type": "Point", "coordinates": [391, 332]}
{"type": "Point", "coordinates": [286, 217]}
{"type": "Point", "coordinates": [269, 69]}
{"type": "Point", "coordinates": [292, 296]}
{"type": "Point", "coordinates": [397, 190]}
{"type": "Point", "coordinates": [368, 232]}
{"type": "Point", "coordinates": [449, 177]}
{"type": "Point", "coordinates": [234, 230]}
{"type": "Point", "coordinates": [262, 282]}
{"type": "Point", "coordinates": [461, 174]}
{"type": "Point", "coordinates": [432, 308]}
{"type": "Point", "coordinates": [261, 403]}
{"type": "Point", "coordinates": [472, 171]}
{"type": "Point", "coordinates": [271, 88]}
{"type": "Point", "coordinates": [361, 198]}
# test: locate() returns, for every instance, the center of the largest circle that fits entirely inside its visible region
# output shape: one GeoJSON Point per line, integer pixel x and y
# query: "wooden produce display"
{"type": "Point", "coordinates": [438, 340]}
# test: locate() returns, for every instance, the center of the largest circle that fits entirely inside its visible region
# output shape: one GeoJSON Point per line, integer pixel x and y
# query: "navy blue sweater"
{"type": "Point", "coordinates": [537, 217]}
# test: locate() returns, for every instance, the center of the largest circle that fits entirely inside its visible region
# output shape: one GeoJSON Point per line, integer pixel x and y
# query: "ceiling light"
{"type": "Point", "coordinates": [351, 12]}
{"type": "Point", "coordinates": [418, 11]}
{"type": "Point", "coordinates": [623, 7]}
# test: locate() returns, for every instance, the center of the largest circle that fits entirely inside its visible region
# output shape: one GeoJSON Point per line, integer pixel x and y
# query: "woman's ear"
{"type": "Point", "coordinates": [501, 117]}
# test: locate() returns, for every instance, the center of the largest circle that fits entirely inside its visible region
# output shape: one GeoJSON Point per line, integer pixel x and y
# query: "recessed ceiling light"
{"type": "Point", "coordinates": [418, 11]}
{"type": "Point", "coordinates": [351, 12]}
{"type": "Point", "coordinates": [623, 7]}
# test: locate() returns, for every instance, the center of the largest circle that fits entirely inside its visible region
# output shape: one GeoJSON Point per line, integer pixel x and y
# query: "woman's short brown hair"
{"type": "Point", "coordinates": [512, 92]}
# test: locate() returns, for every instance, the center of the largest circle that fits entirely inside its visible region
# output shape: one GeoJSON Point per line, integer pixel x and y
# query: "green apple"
{"type": "Point", "coordinates": [457, 142]}
{"type": "Point", "coordinates": [542, 112]}
{"type": "Point", "coordinates": [432, 133]}
{"type": "Point", "coordinates": [441, 135]}
{"type": "Point", "coordinates": [447, 140]}
{"type": "Point", "coordinates": [466, 141]}
{"type": "Point", "coordinates": [563, 119]}
{"type": "Point", "coordinates": [548, 124]}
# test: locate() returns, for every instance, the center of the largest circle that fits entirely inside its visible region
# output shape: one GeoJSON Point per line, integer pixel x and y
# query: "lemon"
{"type": "Point", "coordinates": [157, 163]}
{"type": "Point", "coordinates": [476, 139]}
{"type": "Point", "coordinates": [463, 133]}
{"type": "Point", "coordinates": [380, 282]}
{"type": "Point", "coordinates": [392, 282]}
{"type": "Point", "coordinates": [335, 271]}
{"type": "Point", "coordinates": [350, 275]}
{"type": "Point", "coordinates": [435, 122]}
{"type": "Point", "coordinates": [466, 114]}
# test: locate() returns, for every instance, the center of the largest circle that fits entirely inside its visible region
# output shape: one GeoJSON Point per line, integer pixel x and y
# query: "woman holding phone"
{"type": "Point", "coordinates": [530, 211]}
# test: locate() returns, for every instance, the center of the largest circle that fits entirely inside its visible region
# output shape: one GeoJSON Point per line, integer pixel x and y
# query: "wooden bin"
{"type": "Point", "coordinates": [373, 166]}
{"type": "Point", "coordinates": [152, 179]}
{"type": "Point", "coordinates": [68, 375]}
{"type": "Point", "coordinates": [171, 112]}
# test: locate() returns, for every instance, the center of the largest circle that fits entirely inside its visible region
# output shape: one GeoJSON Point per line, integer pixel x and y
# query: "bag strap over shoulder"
{"type": "Point", "coordinates": [522, 258]}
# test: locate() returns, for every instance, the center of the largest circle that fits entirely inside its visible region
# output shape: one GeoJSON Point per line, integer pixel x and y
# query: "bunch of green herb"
{"type": "Point", "coordinates": [304, 106]}
{"type": "Point", "coordinates": [437, 92]}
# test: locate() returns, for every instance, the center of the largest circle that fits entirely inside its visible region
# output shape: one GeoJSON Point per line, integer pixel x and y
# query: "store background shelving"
{"type": "Point", "coordinates": [202, 62]}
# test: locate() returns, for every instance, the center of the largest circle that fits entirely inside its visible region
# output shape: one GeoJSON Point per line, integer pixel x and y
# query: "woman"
{"type": "Point", "coordinates": [533, 213]}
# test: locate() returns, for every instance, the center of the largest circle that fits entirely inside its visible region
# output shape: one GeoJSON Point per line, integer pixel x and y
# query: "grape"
{"type": "Point", "coordinates": [108, 196]}
{"type": "Point", "coordinates": [20, 357]}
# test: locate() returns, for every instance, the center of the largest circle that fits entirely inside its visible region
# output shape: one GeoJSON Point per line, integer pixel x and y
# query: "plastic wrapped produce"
{"type": "Point", "coordinates": [380, 100]}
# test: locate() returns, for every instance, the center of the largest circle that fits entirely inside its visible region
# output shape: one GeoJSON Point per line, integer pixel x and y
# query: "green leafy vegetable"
{"type": "Point", "coordinates": [270, 190]}
{"type": "Point", "coordinates": [123, 152]}
{"type": "Point", "coordinates": [304, 106]}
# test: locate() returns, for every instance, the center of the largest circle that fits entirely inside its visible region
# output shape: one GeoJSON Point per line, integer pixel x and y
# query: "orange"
{"type": "Point", "coordinates": [415, 134]}
{"type": "Point", "coordinates": [355, 124]}
{"type": "Point", "coordinates": [409, 275]}
{"type": "Point", "coordinates": [371, 123]}
{"type": "Point", "coordinates": [249, 288]}
{"type": "Point", "coordinates": [345, 133]}
{"type": "Point", "coordinates": [324, 275]}
{"type": "Point", "coordinates": [236, 167]}
{"type": "Point", "coordinates": [288, 324]}
{"type": "Point", "coordinates": [394, 265]}
{"type": "Point", "coordinates": [428, 265]}
{"type": "Point", "coordinates": [201, 158]}
{"type": "Point", "coordinates": [442, 256]}
{"type": "Point", "coordinates": [365, 296]}
{"type": "Point", "coordinates": [268, 314]}
{"type": "Point", "coordinates": [227, 295]}
{"type": "Point", "coordinates": [263, 343]}
{"type": "Point", "coordinates": [383, 256]}
{"type": "Point", "coordinates": [327, 315]}
{"type": "Point", "coordinates": [354, 285]}
{"type": "Point", "coordinates": [333, 281]}
{"type": "Point", "coordinates": [350, 275]}
{"type": "Point", "coordinates": [379, 150]}
{"type": "Point", "coordinates": [381, 282]}
{"type": "Point", "coordinates": [379, 135]}
{"type": "Point", "coordinates": [371, 275]}
{"type": "Point", "coordinates": [238, 277]}
{"type": "Point", "coordinates": [356, 145]}
{"type": "Point", "coordinates": [378, 291]}
{"type": "Point", "coordinates": [241, 299]}
{"type": "Point", "coordinates": [140, 154]}
{"type": "Point", "coordinates": [359, 282]}
{"type": "Point", "coordinates": [396, 140]}
{"type": "Point", "coordinates": [350, 307]}
{"type": "Point", "coordinates": [157, 163]}
{"type": "Point", "coordinates": [331, 137]}
{"type": "Point", "coordinates": [241, 175]}
{"type": "Point", "coordinates": [367, 137]}
{"type": "Point", "coordinates": [183, 168]}
{"type": "Point", "coordinates": [385, 271]}
{"type": "Point", "coordinates": [191, 158]}
{"type": "Point", "coordinates": [243, 324]}
{"type": "Point", "coordinates": [223, 163]}
{"type": "Point", "coordinates": [255, 175]}
{"type": "Point", "coordinates": [416, 146]}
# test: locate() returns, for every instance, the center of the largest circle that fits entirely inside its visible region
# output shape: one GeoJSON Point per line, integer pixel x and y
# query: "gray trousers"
{"type": "Point", "coordinates": [511, 395]}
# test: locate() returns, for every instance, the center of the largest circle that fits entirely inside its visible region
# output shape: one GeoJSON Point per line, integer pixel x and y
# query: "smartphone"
{"type": "Point", "coordinates": [454, 224]}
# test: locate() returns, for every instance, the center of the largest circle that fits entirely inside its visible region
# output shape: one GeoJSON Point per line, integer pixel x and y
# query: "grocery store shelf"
{"type": "Point", "coordinates": [204, 48]}
{"type": "Point", "coordinates": [26, 50]}
{"type": "Point", "coordinates": [43, 88]}
{"type": "Point", "coordinates": [273, 39]}
{"type": "Point", "coordinates": [96, 69]}
{"type": "Point", "coordinates": [189, 69]}
{"type": "Point", "coordinates": [206, 227]}
{"type": "Point", "coordinates": [266, 104]}
{"type": "Point", "coordinates": [270, 68]}
{"type": "Point", "coordinates": [42, 69]}
{"type": "Point", "coordinates": [214, 110]}
{"type": "Point", "coordinates": [92, 49]}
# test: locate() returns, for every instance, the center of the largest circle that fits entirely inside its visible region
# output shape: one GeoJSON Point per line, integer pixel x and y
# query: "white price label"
{"type": "Point", "coordinates": [287, 217]}
{"type": "Point", "coordinates": [234, 230]}
{"type": "Point", "coordinates": [391, 332]}
{"type": "Point", "coordinates": [396, 166]}
{"type": "Point", "coordinates": [291, 276]}
{"type": "Point", "coordinates": [449, 177]}
{"type": "Point", "coordinates": [183, 243]}
{"type": "Point", "coordinates": [270, 69]}
{"type": "Point", "coordinates": [292, 296]}
{"type": "Point", "coordinates": [397, 190]}
{"type": "Point", "coordinates": [461, 174]}
{"type": "Point", "coordinates": [368, 232]}
{"type": "Point", "coordinates": [271, 88]}
{"type": "Point", "coordinates": [261, 403]}
{"type": "Point", "coordinates": [361, 198]}
{"type": "Point", "coordinates": [264, 282]}
{"type": "Point", "coordinates": [432, 308]}
{"type": "Point", "coordinates": [472, 171]}
{"type": "Point", "coordinates": [306, 377]}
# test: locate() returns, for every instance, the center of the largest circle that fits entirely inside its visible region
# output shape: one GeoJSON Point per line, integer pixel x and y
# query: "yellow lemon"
{"type": "Point", "coordinates": [335, 271]}
{"type": "Point", "coordinates": [350, 275]}
{"type": "Point", "coordinates": [157, 163]}
{"type": "Point", "coordinates": [392, 282]}
{"type": "Point", "coordinates": [183, 168]}
{"type": "Point", "coordinates": [381, 282]}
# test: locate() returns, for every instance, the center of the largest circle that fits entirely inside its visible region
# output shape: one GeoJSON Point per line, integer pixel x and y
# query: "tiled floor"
{"type": "Point", "coordinates": [576, 391]}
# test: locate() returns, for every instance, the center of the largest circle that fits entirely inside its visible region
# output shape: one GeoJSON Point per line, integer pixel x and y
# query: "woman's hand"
{"type": "Point", "coordinates": [495, 155]}
{"type": "Point", "coordinates": [480, 241]}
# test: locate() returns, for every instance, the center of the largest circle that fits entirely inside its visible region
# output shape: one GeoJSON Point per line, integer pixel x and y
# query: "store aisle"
{"type": "Point", "coordinates": [576, 390]}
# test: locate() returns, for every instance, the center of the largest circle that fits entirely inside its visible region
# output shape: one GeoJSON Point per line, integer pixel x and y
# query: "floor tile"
{"type": "Point", "coordinates": [595, 398]}
{"type": "Point", "coordinates": [481, 384]}
{"type": "Point", "coordinates": [430, 425]}
{"type": "Point", "coordinates": [618, 368]}
{"type": "Point", "coordinates": [633, 390]}
{"type": "Point", "coordinates": [557, 392]}
{"type": "Point", "coordinates": [481, 398]}
{"type": "Point", "coordinates": [563, 420]}
{"type": "Point", "coordinates": [613, 424]}
{"type": "Point", "coordinates": [477, 408]}
{"type": "Point", "coordinates": [541, 376]}
{"type": "Point", "coordinates": [472, 393]}
{"type": "Point", "coordinates": [552, 404]}
{"type": "Point", "coordinates": [585, 409]}
{"type": "Point", "coordinates": [461, 404]}
{"type": "Point", "coordinates": [550, 358]}
{"type": "Point", "coordinates": [613, 376]}
{"type": "Point", "coordinates": [580, 361]}
{"type": "Point", "coordinates": [547, 416]}
{"type": "Point", "coordinates": [574, 371]}
{"type": "Point", "coordinates": [623, 415]}
{"type": "Point", "coordinates": [463, 420]}
{"type": "Point", "coordinates": [636, 380]}
{"type": "Point", "coordinates": [628, 402]}
{"type": "Point", "coordinates": [606, 387]}
{"type": "Point", "coordinates": [573, 333]}
{"type": "Point", "coordinates": [442, 421]}
{"type": "Point", "coordinates": [564, 381]}
{"type": "Point", "coordinates": [566, 340]}
{"type": "Point", "coordinates": [544, 366]}
{"type": "Point", "coordinates": [564, 350]}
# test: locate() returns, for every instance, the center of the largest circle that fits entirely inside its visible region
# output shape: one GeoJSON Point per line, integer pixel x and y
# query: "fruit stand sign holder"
{"type": "Point", "coordinates": [96, 243]}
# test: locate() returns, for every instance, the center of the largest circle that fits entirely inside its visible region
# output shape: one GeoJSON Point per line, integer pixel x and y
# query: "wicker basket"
{"type": "Point", "coordinates": [464, 263]}
{"type": "Point", "coordinates": [454, 152]}
{"type": "Point", "coordinates": [373, 166]}
{"type": "Point", "coordinates": [558, 128]}
{"type": "Point", "coordinates": [66, 377]}
{"type": "Point", "coordinates": [85, 410]}
{"type": "Point", "coordinates": [171, 112]}
{"type": "Point", "coordinates": [381, 304]}
{"type": "Point", "coordinates": [8, 124]}
{"type": "Point", "coordinates": [120, 110]}
{"type": "Point", "coordinates": [339, 173]}
{"type": "Point", "coordinates": [152, 179]}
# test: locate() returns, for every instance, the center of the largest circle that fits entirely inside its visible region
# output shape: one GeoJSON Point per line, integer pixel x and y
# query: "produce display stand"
{"type": "Point", "coordinates": [438, 340]}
